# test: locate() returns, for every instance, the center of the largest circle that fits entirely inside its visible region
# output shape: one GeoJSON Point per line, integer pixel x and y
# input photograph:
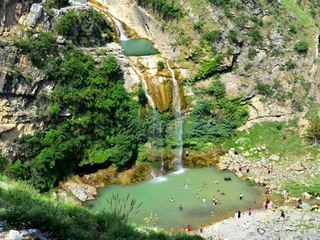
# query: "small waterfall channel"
{"type": "Point", "coordinates": [157, 128]}
{"type": "Point", "coordinates": [122, 35]}
{"type": "Point", "coordinates": [179, 122]}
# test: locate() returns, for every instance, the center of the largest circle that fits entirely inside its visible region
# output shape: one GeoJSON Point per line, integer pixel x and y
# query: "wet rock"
{"type": "Point", "coordinates": [36, 12]}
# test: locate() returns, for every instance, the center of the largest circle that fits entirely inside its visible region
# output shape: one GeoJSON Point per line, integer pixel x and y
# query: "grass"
{"type": "Point", "coordinates": [279, 138]}
{"type": "Point", "coordinates": [23, 207]}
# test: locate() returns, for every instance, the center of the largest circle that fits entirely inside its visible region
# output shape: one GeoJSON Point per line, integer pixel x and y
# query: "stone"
{"type": "Point", "coordinates": [61, 40]}
{"type": "Point", "coordinates": [274, 158]}
{"type": "Point", "coordinates": [305, 206]}
{"type": "Point", "coordinates": [296, 166]}
{"type": "Point", "coordinates": [36, 12]}
{"type": "Point", "coordinates": [263, 147]}
{"type": "Point", "coordinates": [32, 234]}
{"type": "Point", "coordinates": [20, 34]}
{"type": "Point", "coordinates": [14, 235]}
{"type": "Point", "coordinates": [306, 195]}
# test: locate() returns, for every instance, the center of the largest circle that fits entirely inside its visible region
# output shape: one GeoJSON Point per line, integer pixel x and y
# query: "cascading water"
{"type": "Point", "coordinates": [157, 128]}
{"type": "Point", "coordinates": [122, 35]}
{"type": "Point", "coordinates": [179, 122]}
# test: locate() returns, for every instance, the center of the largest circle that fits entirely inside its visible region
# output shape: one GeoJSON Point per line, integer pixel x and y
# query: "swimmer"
{"type": "Point", "coordinates": [216, 182]}
{"type": "Point", "coordinates": [180, 207]}
{"type": "Point", "coordinates": [223, 194]}
{"type": "Point", "coordinates": [197, 196]}
{"type": "Point", "coordinates": [204, 184]}
{"type": "Point", "coordinates": [204, 200]}
{"type": "Point", "coordinates": [171, 199]}
{"type": "Point", "coordinates": [218, 190]}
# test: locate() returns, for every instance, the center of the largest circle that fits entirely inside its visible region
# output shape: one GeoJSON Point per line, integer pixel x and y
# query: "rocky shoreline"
{"type": "Point", "coordinates": [267, 224]}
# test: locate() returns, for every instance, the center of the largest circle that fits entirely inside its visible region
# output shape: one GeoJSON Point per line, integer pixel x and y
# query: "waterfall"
{"type": "Point", "coordinates": [121, 30]}
{"type": "Point", "coordinates": [157, 128]}
{"type": "Point", "coordinates": [179, 122]}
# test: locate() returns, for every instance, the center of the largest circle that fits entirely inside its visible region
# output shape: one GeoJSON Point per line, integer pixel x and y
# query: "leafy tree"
{"type": "Point", "coordinates": [313, 131]}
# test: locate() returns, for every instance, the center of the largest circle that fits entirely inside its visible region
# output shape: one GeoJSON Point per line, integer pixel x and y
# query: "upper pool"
{"type": "Point", "coordinates": [137, 47]}
{"type": "Point", "coordinates": [183, 187]}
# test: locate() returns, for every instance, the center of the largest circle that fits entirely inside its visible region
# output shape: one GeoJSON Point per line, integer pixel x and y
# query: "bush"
{"type": "Point", "coordinates": [264, 89]}
{"type": "Point", "coordinates": [293, 28]}
{"type": "Point", "coordinates": [212, 36]}
{"type": "Point", "coordinates": [301, 47]}
{"type": "Point", "coordinates": [232, 37]}
{"type": "Point", "coordinates": [291, 64]}
{"type": "Point", "coordinates": [248, 66]}
{"type": "Point", "coordinates": [160, 65]}
{"type": "Point", "coordinates": [252, 53]}
{"type": "Point", "coordinates": [67, 23]}
{"type": "Point", "coordinates": [209, 67]}
{"type": "Point", "coordinates": [313, 131]}
{"type": "Point", "coordinates": [256, 37]}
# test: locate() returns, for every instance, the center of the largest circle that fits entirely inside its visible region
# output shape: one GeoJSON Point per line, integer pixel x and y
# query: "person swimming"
{"type": "Point", "coordinates": [223, 194]}
{"type": "Point", "coordinates": [171, 200]}
{"type": "Point", "coordinates": [197, 196]}
{"type": "Point", "coordinates": [227, 179]}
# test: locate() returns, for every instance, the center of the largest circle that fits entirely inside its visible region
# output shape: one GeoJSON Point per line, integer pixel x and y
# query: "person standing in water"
{"type": "Point", "coordinates": [197, 196]}
{"type": "Point", "coordinates": [236, 215]}
{"type": "Point", "coordinates": [241, 196]}
{"type": "Point", "coordinates": [204, 200]}
{"type": "Point", "coordinates": [239, 214]}
{"type": "Point", "coordinates": [201, 229]}
{"type": "Point", "coordinates": [180, 207]}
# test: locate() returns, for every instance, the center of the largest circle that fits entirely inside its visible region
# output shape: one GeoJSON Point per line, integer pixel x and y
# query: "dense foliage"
{"type": "Point", "coordinates": [216, 115]}
{"type": "Point", "coordinates": [313, 131]}
{"type": "Point", "coordinates": [167, 10]}
{"type": "Point", "coordinates": [25, 208]}
{"type": "Point", "coordinates": [208, 67]}
{"type": "Point", "coordinates": [87, 28]}
{"type": "Point", "coordinates": [101, 123]}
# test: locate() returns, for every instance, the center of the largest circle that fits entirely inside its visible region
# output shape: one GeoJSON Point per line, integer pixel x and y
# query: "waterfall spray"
{"type": "Point", "coordinates": [157, 128]}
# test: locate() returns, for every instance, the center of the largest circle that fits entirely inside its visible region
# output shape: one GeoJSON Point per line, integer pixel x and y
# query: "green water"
{"type": "Point", "coordinates": [156, 193]}
{"type": "Point", "coordinates": [137, 47]}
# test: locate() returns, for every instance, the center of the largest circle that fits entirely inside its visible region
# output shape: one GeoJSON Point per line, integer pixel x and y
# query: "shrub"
{"type": "Point", "coordinates": [313, 131]}
{"type": "Point", "coordinates": [232, 37]}
{"type": "Point", "coordinates": [293, 28]}
{"type": "Point", "coordinates": [264, 89]}
{"type": "Point", "coordinates": [67, 23]}
{"type": "Point", "coordinates": [256, 37]}
{"type": "Point", "coordinates": [217, 89]}
{"type": "Point", "coordinates": [291, 64]}
{"type": "Point", "coordinates": [252, 53]}
{"type": "Point", "coordinates": [301, 47]}
{"type": "Point", "coordinates": [212, 36]}
{"type": "Point", "coordinates": [248, 66]}
{"type": "Point", "coordinates": [209, 67]}
{"type": "Point", "coordinates": [160, 65]}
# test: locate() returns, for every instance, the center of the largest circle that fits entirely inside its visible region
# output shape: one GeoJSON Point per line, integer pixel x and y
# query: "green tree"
{"type": "Point", "coordinates": [301, 47]}
{"type": "Point", "coordinates": [313, 131]}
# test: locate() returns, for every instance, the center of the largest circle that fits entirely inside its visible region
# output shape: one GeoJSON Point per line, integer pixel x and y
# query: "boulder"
{"type": "Point", "coordinates": [305, 206]}
{"type": "Point", "coordinates": [32, 234]}
{"type": "Point", "coordinates": [36, 12]}
{"type": "Point", "coordinates": [274, 157]}
{"type": "Point", "coordinates": [306, 195]}
{"type": "Point", "coordinates": [14, 235]}
{"type": "Point", "coordinates": [61, 40]}
{"type": "Point", "coordinates": [296, 166]}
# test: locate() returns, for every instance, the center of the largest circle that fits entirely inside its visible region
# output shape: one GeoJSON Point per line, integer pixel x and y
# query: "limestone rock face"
{"type": "Point", "coordinates": [35, 14]}
{"type": "Point", "coordinates": [10, 12]}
